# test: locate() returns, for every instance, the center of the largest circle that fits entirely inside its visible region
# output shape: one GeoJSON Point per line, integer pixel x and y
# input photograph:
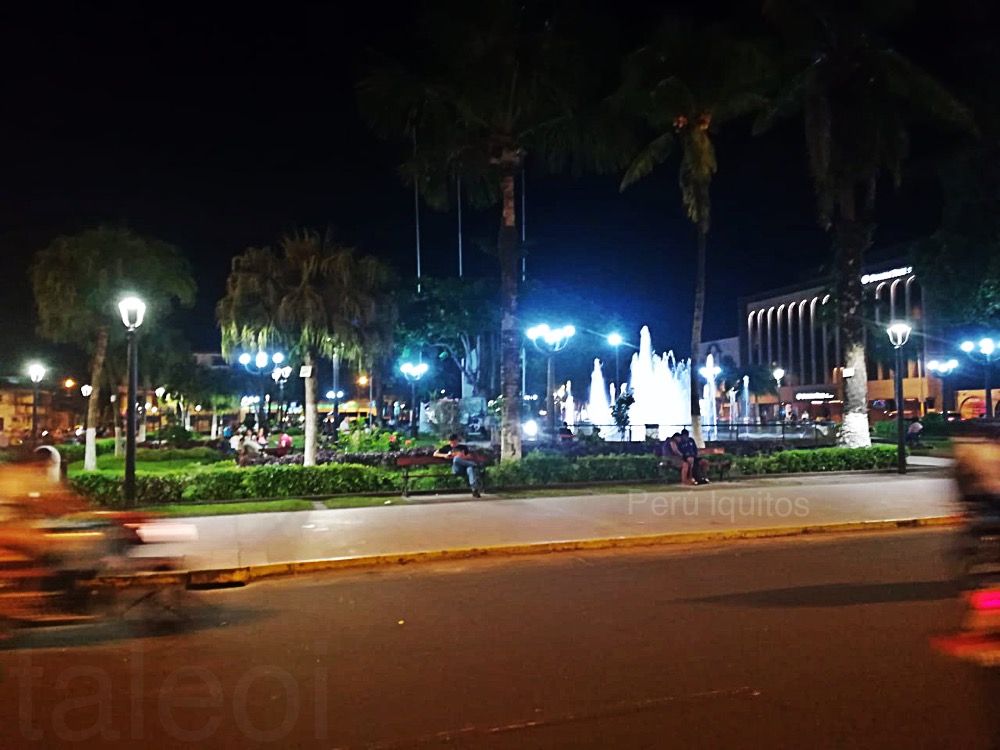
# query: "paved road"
{"type": "Point", "coordinates": [813, 643]}
{"type": "Point", "coordinates": [233, 541]}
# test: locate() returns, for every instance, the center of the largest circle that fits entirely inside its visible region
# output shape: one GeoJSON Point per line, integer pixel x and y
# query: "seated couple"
{"type": "Point", "coordinates": [682, 452]}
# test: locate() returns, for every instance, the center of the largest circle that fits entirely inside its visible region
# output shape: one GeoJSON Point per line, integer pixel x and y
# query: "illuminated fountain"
{"type": "Point", "coordinates": [661, 388]}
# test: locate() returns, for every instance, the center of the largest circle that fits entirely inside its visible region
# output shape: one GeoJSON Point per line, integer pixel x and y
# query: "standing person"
{"type": "Point", "coordinates": [689, 450]}
{"type": "Point", "coordinates": [462, 461]}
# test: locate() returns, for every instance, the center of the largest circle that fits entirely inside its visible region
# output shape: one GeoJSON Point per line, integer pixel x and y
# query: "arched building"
{"type": "Point", "coordinates": [795, 328]}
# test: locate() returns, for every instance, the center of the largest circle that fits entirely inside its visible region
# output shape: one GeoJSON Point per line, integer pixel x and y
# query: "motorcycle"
{"type": "Point", "coordinates": [977, 639]}
{"type": "Point", "coordinates": [53, 569]}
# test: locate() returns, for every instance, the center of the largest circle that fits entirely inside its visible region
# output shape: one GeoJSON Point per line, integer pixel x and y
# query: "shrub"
{"type": "Point", "coordinates": [819, 459]}
{"type": "Point", "coordinates": [540, 468]}
{"type": "Point", "coordinates": [216, 484]}
{"type": "Point", "coordinates": [71, 452]}
{"type": "Point", "coordinates": [107, 489]}
{"type": "Point", "coordinates": [200, 454]}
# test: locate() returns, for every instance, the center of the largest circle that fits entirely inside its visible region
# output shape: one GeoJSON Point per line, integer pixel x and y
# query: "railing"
{"type": "Point", "coordinates": [811, 432]}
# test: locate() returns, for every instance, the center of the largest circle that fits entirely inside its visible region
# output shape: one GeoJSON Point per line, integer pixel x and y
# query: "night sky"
{"type": "Point", "coordinates": [219, 129]}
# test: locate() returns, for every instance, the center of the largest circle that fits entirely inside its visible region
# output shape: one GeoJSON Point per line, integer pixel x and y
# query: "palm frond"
{"type": "Point", "coordinates": [655, 153]}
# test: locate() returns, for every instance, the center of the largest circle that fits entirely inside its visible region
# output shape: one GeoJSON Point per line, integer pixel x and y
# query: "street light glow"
{"type": "Point", "coordinates": [415, 371]}
{"type": "Point", "coordinates": [615, 339]}
{"type": "Point", "coordinates": [132, 310]}
{"type": "Point", "coordinates": [278, 358]}
{"type": "Point", "coordinates": [86, 390]}
{"type": "Point", "coordinates": [899, 333]}
{"type": "Point", "coordinates": [261, 360]}
{"type": "Point", "coordinates": [244, 359]}
{"type": "Point", "coordinates": [362, 380]}
{"type": "Point", "coordinates": [967, 347]}
{"type": "Point", "coordinates": [986, 346]}
{"type": "Point", "coordinates": [69, 383]}
{"type": "Point", "coordinates": [36, 372]}
{"type": "Point", "coordinates": [778, 373]}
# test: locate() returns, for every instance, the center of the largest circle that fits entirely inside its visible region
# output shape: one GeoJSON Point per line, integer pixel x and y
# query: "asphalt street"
{"type": "Point", "coordinates": [806, 643]}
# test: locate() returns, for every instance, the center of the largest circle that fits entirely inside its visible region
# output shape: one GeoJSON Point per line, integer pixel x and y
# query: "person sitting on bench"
{"type": "Point", "coordinates": [462, 461]}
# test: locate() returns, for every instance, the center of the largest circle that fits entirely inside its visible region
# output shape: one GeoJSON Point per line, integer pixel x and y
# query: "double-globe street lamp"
{"type": "Point", "coordinates": [985, 351]}
{"type": "Point", "coordinates": [943, 369]}
{"type": "Point", "coordinates": [132, 310]}
{"type": "Point", "coordinates": [899, 334]}
{"type": "Point", "coordinates": [85, 391]}
{"type": "Point", "coordinates": [257, 365]}
{"type": "Point", "coordinates": [280, 375]}
{"type": "Point", "coordinates": [778, 373]}
{"type": "Point", "coordinates": [549, 341]}
{"type": "Point", "coordinates": [413, 373]}
{"type": "Point", "coordinates": [36, 372]}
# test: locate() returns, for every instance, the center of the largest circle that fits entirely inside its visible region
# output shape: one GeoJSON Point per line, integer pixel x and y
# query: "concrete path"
{"type": "Point", "coordinates": [261, 539]}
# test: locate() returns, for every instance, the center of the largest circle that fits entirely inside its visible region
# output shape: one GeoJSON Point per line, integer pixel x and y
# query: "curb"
{"type": "Point", "coordinates": [247, 574]}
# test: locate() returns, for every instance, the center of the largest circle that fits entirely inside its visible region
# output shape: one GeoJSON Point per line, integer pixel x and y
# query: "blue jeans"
{"type": "Point", "coordinates": [461, 466]}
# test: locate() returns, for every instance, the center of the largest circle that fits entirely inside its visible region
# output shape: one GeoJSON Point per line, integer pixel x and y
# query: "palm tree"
{"type": "Point", "coordinates": [78, 281]}
{"type": "Point", "coordinates": [858, 97]}
{"type": "Point", "coordinates": [316, 298]}
{"type": "Point", "coordinates": [684, 85]}
{"type": "Point", "coordinates": [498, 81]}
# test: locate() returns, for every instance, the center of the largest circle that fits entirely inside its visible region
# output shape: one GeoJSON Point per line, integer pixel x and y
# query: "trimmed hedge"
{"type": "Point", "coordinates": [537, 469]}
{"type": "Point", "coordinates": [818, 460]}
{"type": "Point", "coordinates": [107, 488]}
{"type": "Point", "coordinates": [71, 452]}
{"type": "Point", "coordinates": [540, 468]}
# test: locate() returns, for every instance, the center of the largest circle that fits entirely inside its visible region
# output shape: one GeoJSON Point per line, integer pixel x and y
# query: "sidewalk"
{"type": "Point", "coordinates": [240, 541]}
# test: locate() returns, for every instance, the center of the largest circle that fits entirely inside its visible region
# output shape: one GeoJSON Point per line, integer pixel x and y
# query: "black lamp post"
{"type": "Point", "coordinates": [257, 365]}
{"type": "Point", "coordinates": [85, 391]}
{"type": "Point", "coordinates": [413, 373]}
{"type": "Point", "coordinates": [549, 341]}
{"type": "Point", "coordinates": [132, 310]}
{"type": "Point", "coordinates": [987, 351]}
{"type": "Point", "coordinates": [280, 376]}
{"type": "Point", "coordinates": [943, 369]}
{"type": "Point", "coordinates": [36, 372]}
{"type": "Point", "coordinates": [899, 334]}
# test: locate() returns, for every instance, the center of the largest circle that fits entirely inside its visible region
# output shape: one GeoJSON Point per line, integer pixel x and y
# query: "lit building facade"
{"type": "Point", "coordinates": [795, 329]}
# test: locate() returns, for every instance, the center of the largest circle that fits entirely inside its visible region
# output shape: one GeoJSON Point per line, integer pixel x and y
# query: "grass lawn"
{"type": "Point", "coordinates": [117, 463]}
{"type": "Point", "coordinates": [231, 509]}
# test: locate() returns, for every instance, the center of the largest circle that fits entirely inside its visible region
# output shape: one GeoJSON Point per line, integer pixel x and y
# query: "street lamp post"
{"type": "Point", "coordinates": [944, 369]}
{"type": "Point", "coordinates": [899, 334]}
{"type": "Point", "coordinates": [256, 365]}
{"type": "Point", "coordinates": [85, 391]}
{"type": "Point", "coordinates": [36, 372]}
{"type": "Point", "coordinates": [616, 341]}
{"type": "Point", "coordinates": [280, 376]}
{"type": "Point", "coordinates": [549, 341]}
{"type": "Point", "coordinates": [413, 373]}
{"type": "Point", "coordinates": [364, 380]}
{"type": "Point", "coordinates": [987, 351]}
{"type": "Point", "coordinates": [778, 373]}
{"type": "Point", "coordinates": [132, 310]}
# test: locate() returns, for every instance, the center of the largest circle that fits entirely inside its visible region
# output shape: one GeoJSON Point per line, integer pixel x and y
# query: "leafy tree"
{"type": "Point", "coordinates": [455, 316]}
{"type": "Point", "coordinates": [620, 411]}
{"type": "Point", "coordinates": [685, 84]}
{"type": "Point", "coordinates": [79, 279]}
{"type": "Point", "coordinates": [314, 297]}
{"type": "Point", "coordinates": [493, 82]}
{"type": "Point", "coordinates": [859, 98]}
{"type": "Point", "coordinates": [959, 265]}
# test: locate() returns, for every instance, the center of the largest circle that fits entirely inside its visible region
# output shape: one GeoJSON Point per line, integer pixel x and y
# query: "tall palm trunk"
{"type": "Point", "coordinates": [510, 374]}
{"type": "Point", "coordinates": [309, 457]}
{"type": "Point", "coordinates": [852, 237]}
{"type": "Point", "coordinates": [94, 401]}
{"type": "Point", "coordinates": [697, 316]}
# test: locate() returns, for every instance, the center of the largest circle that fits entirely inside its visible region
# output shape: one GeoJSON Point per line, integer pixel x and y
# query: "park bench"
{"type": "Point", "coordinates": [715, 463]}
{"type": "Point", "coordinates": [422, 464]}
